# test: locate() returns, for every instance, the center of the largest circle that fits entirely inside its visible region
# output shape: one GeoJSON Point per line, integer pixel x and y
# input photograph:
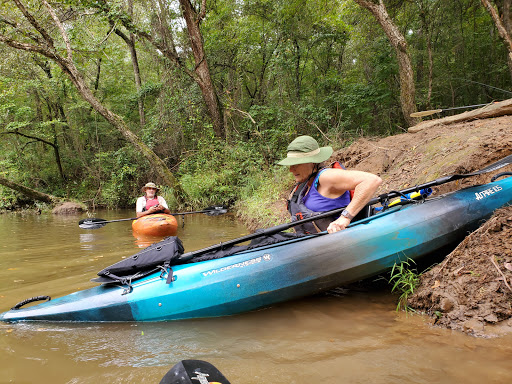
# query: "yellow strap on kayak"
{"type": "Point", "coordinates": [412, 196]}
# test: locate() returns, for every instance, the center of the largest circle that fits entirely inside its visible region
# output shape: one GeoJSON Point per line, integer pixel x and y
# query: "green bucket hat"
{"type": "Point", "coordinates": [305, 149]}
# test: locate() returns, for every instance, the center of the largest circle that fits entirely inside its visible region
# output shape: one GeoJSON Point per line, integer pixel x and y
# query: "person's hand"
{"type": "Point", "coordinates": [338, 224]}
{"type": "Point", "coordinates": [155, 208]}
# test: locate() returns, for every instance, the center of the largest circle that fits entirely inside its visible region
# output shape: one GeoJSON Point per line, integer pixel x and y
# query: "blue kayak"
{"type": "Point", "coordinates": [260, 277]}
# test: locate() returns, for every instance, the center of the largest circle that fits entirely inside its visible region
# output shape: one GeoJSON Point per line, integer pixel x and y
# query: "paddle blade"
{"type": "Point", "coordinates": [497, 165]}
{"type": "Point", "coordinates": [194, 372]}
{"type": "Point", "coordinates": [215, 211]}
{"type": "Point", "coordinates": [92, 223]}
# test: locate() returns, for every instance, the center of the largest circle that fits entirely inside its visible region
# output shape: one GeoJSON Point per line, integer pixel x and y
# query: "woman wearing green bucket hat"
{"type": "Point", "coordinates": [323, 189]}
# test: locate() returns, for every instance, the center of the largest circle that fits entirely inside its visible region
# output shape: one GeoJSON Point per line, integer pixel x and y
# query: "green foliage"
{"type": "Point", "coordinates": [122, 182]}
{"type": "Point", "coordinates": [8, 199]}
{"type": "Point", "coordinates": [114, 191]}
{"type": "Point", "coordinates": [404, 280]}
{"type": "Point", "coordinates": [234, 167]}
{"type": "Point", "coordinates": [280, 68]}
{"type": "Point", "coordinates": [262, 201]}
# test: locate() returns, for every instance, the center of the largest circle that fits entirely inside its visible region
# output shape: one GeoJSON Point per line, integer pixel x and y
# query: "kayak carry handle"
{"type": "Point", "coordinates": [496, 177]}
{"type": "Point", "coordinates": [31, 300]}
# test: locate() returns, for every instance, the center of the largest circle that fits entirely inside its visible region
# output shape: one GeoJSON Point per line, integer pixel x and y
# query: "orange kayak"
{"type": "Point", "coordinates": [158, 224]}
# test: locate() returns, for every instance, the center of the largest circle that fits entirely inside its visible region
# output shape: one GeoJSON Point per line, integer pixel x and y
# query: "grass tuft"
{"type": "Point", "coordinates": [405, 280]}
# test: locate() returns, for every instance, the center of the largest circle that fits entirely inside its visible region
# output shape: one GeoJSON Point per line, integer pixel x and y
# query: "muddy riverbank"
{"type": "Point", "coordinates": [471, 290]}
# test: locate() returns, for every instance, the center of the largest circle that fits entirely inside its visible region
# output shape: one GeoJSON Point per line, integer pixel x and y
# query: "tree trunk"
{"type": "Point", "coordinates": [428, 13]}
{"type": "Point", "coordinates": [130, 42]}
{"type": "Point", "coordinates": [503, 26]}
{"type": "Point", "coordinates": [98, 73]}
{"type": "Point", "coordinates": [138, 82]}
{"type": "Point", "coordinates": [32, 193]}
{"type": "Point", "coordinates": [397, 40]}
{"type": "Point", "coordinates": [136, 70]}
{"type": "Point", "coordinates": [193, 19]}
{"type": "Point", "coordinates": [508, 27]}
{"type": "Point", "coordinates": [55, 111]}
{"type": "Point", "coordinates": [430, 71]}
{"type": "Point", "coordinates": [492, 110]}
{"type": "Point", "coordinates": [118, 122]}
{"type": "Point", "coordinates": [297, 69]}
{"type": "Point", "coordinates": [56, 151]}
{"type": "Point", "coordinates": [163, 26]}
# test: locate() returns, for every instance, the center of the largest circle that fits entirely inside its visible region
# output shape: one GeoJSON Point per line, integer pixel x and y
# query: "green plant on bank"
{"type": "Point", "coordinates": [262, 200]}
{"type": "Point", "coordinates": [221, 173]}
{"type": "Point", "coordinates": [405, 280]}
{"type": "Point", "coordinates": [8, 198]}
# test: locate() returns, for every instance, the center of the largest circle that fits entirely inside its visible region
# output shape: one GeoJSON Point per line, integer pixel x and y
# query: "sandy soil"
{"type": "Point", "coordinates": [471, 290]}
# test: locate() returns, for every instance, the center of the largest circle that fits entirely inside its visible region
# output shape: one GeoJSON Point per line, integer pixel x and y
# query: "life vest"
{"type": "Point", "coordinates": [150, 203]}
{"type": "Point", "coordinates": [299, 211]}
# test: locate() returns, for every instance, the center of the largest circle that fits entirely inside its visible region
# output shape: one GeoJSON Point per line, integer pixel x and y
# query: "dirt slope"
{"type": "Point", "coordinates": [472, 289]}
{"type": "Point", "coordinates": [409, 159]}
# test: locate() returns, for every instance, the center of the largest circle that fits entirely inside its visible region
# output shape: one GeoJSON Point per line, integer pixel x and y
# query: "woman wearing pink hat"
{"type": "Point", "coordinates": [151, 203]}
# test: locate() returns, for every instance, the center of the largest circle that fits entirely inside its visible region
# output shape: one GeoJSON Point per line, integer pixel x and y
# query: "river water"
{"type": "Point", "coordinates": [347, 336]}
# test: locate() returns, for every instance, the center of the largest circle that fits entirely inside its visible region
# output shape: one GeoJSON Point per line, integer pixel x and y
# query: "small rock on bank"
{"type": "Point", "coordinates": [68, 208]}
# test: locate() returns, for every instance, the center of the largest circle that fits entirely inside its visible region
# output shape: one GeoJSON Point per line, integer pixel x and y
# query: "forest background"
{"type": "Point", "coordinates": [98, 97]}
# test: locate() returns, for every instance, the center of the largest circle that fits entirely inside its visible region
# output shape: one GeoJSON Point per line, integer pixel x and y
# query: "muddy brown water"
{"type": "Point", "coordinates": [352, 336]}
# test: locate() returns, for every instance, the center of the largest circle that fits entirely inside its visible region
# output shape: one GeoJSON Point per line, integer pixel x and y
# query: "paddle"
{"type": "Point", "coordinates": [95, 223]}
{"type": "Point", "coordinates": [210, 211]}
{"type": "Point", "coordinates": [432, 111]}
{"type": "Point", "coordinates": [194, 372]}
{"type": "Point", "coordinates": [380, 199]}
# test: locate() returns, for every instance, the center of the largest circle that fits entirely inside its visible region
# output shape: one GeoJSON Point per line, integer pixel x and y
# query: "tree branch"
{"type": "Point", "coordinates": [34, 23]}
{"type": "Point", "coordinates": [507, 40]}
{"type": "Point", "coordinates": [61, 29]}
{"type": "Point", "coordinates": [168, 52]}
{"type": "Point", "coordinates": [202, 14]}
{"type": "Point", "coordinates": [26, 46]}
{"type": "Point", "coordinates": [29, 191]}
{"type": "Point", "coordinates": [16, 132]}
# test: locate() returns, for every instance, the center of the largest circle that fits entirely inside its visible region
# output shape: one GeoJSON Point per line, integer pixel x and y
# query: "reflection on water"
{"type": "Point", "coordinates": [87, 241]}
{"type": "Point", "coordinates": [352, 336]}
{"type": "Point", "coordinates": [143, 241]}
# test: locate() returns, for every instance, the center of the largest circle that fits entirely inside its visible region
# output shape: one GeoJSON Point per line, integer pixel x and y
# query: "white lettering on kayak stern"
{"type": "Point", "coordinates": [488, 192]}
{"type": "Point", "coordinates": [243, 264]}
{"type": "Point", "coordinates": [202, 377]}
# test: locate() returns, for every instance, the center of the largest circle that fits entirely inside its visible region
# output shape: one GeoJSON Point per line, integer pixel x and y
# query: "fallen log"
{"type": "Point", "coordinates": [32, 193]}
{"type": "Point", "coordinates": [492, 110]}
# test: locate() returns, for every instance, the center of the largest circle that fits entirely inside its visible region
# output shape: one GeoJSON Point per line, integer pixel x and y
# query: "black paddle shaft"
{"type": "Point", "coordinates": [380, 199]}
{"type": "Point", "coordinates": [95, 223]}
{"type": "Point", "coordinates": [209, 211]}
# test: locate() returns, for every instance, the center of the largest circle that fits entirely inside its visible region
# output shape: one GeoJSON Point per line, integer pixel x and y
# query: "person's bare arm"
{"type": "Point", "coordinates": [334, 182]}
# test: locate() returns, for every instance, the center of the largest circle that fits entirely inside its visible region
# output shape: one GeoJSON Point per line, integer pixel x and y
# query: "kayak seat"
{"type": "Point", "coordinates": [367, 211]}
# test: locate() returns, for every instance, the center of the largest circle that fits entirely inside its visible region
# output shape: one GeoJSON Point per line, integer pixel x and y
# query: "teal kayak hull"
{"type": "Point", "coordinates": [288, 270]}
